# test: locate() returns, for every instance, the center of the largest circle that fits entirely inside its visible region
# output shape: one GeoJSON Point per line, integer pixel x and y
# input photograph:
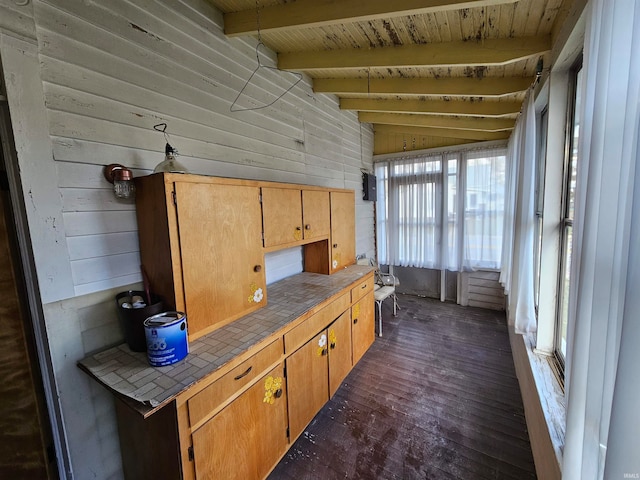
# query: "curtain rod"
{"type": "Point", "coordinates": [434, 151]}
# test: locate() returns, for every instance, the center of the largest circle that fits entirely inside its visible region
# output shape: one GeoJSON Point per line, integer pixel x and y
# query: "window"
{"type": "Point", "coordinates": [442, 211]}
{"type": "Point", "coordinates": [414, 208]}
{"type": "Point", "coordinates": [566, 225]}
{"type": "Point", "coordinates": [539, 202]}
{"type": "Point", "coordinates": [484, 212]}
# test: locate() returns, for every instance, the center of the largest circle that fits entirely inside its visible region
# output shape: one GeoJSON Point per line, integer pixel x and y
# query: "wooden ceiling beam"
{"type": "Point", "coordinates": [491, 51]}
{"type": "Point", "coordinates": [440, 132]}
{"type": "Point", "coordinates": [479, 124]}
{"type": "Point", "coordinates": [474, 87]}
{"type": "Point", "coordinates": [433, 107]}
{"type": "Point", "coordinates": [316, 13]}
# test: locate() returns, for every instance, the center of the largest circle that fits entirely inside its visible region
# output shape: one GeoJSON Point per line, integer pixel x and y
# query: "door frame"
{"type": "Point", "coordinates": [35, 321]}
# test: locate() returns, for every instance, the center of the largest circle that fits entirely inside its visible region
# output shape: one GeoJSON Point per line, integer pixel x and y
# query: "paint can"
{"type": "Point", "coordinates": [167, 341]}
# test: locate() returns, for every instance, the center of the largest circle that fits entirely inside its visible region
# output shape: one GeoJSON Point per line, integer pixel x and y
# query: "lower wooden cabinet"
{"type": "Point", "coordinates": [362, 325]}
{"type": "Point", "coordinates": [240, 424]}
{"type": "Point", "coordinates": [248, 437]}
{"type": "Point", "coordinates": [316, 370]}
{"type": "Point", "coordinates": [340, 351]}
{"type": "Point", "coordinates": [307, 382]}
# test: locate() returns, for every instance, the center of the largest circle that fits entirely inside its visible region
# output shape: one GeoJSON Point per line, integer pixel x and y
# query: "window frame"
{"type": "Point", "coordinates": [444, 179]}
{"type": "Point", "coordinates": [566, 220]}
{"type": "Point", "coordinates": [541, 163]}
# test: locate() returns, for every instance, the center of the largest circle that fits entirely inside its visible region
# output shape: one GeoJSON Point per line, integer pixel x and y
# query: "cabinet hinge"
{"type": "Point", "coordinates": [175, 198]}
{"type": "Point", "coordinates": [285, 372]}
{"type": "Point", "coordinates": [288, 434]}
{"type": "Point", "coordinates": [190, 452]}
{"type": "Point", "coordinates": [260, 198]}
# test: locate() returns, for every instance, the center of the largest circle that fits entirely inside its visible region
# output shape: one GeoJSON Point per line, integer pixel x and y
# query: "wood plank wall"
{"type": "Point", "coordinates": [16, 19]}
{"type": "Point", "coordinates": [112, 70]}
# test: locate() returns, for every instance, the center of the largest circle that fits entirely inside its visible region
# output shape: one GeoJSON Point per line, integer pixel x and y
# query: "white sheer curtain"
{"type": "Point", "coordinates": [382, 212]}
{"type": "Point", "coordinates": [442, 211]}
{"type": "Point", "coordinates": [483, 209]}
{"type": "Point", "coordinates": [602, 361]}
{"type": "Point", "coordinates": [415, 207]}
{"type": "Point", "coordinates": [517, 272]}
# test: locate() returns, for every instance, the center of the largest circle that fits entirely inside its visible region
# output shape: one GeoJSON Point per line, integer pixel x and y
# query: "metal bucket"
{"type": "Point", "coordinates": [132, 319]}
{"type": "Point", "coordinates": [166, 335]}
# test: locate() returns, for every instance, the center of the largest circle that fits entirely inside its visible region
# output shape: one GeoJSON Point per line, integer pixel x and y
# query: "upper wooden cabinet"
{"type": "Point", "coordinates": [315, 214]}
{"type": "Point", "coordinates": [281, 216]}
{"type": "Point", "coordinates": [343, 230]}
{"type": "Point", "coordinates": [200, 243]}
{"type": "Point", "coordinates": [294, 216]}
{"type": "Point", "coordinates": [202, 239]}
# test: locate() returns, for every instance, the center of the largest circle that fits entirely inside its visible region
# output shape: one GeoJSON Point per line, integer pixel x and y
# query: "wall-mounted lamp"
{"type": "Point", "coordinates": [122, 179]}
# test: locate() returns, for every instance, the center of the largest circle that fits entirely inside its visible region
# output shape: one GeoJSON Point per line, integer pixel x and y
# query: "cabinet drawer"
{"type": "Point", "coordinates": [247, 438]}
{"type": "Point", "coordinates": [306, 330]}
{"type": "Point", "coordinates": [204, 403]}
{"type": "Point", "coordinates": [362, 289]}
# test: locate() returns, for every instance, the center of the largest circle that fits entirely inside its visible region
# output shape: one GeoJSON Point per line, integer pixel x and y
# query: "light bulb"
{"type": "Point", "coordinates": [124, 188]}
{"type": "Point", "coordinates": [170, 164]}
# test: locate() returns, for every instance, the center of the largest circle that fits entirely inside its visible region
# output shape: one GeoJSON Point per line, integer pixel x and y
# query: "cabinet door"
{"type": "Point", "coordinates": [307, 382]}
{"type": "Point", "coordinates": [221, 253]}
{"type": "Point", "coordinates": [282, 216]}
{"type": "Point", "coordinates": [343, 243]}
{"type": "Point", "coordinates": [362, 326]}
{"type": "Point", "coordinates": [339, 338]}
{"type": "Point", "coordinates": [315, 214]}
{"type": "Point", "coordinates": [246, 439]}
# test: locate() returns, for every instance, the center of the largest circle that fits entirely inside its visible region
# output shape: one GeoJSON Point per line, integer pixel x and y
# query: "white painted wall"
{"type": "Point", "coordinates": [101, 75]}
{"type": "Point", "coordinates": [113, 70]}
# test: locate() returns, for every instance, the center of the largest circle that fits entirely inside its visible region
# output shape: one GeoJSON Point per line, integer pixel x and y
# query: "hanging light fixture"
{"type": "Point", "coordinates": [122, 179]}
{"type": "Point", "coordinates": [170, 164]}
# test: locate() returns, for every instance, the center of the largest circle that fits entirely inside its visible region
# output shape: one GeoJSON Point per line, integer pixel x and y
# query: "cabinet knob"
{"type": "Point", "coordinates": [257, 268]}
{"type": "Point", "coordinates": [335, 245]}
{"type": "Point", "coordinates": [298, 228]}
{"type": "Point", "coordinates": [332, 345]}
{"type": "Point", "coordinates": [277, 393]}
{"type": "Point", "coordinates": [307, 227]}
{"type": "Point", "coordinates": [324, 352]}
{"type": "Point", "coordinates": [355, 320]}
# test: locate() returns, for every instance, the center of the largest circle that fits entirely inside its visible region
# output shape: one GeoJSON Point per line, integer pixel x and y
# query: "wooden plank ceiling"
{"type": "Point", "coordinates": [425, 73]}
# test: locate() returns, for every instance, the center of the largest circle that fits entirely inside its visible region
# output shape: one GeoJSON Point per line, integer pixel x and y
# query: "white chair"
{"type": "Point", "coordinates": [384, 288]}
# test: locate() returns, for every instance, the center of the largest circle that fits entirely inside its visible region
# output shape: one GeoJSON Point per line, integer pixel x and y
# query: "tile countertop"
{"type": "Point", "coordinates": [146, 388]}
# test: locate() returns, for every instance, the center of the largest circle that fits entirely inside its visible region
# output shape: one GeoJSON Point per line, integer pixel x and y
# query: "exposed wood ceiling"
{"type": "Point", "coordinates": [425, 73]}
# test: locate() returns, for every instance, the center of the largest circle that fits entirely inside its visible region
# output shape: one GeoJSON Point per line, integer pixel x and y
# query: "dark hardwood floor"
{"type": "Point", "coordinates": [435, 398]}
